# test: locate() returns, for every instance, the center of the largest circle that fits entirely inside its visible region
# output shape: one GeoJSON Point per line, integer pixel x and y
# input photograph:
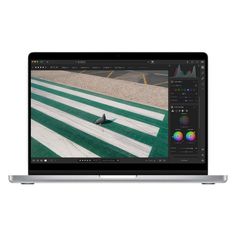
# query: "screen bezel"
{"type": "Point", "coordinates": [118, 169]}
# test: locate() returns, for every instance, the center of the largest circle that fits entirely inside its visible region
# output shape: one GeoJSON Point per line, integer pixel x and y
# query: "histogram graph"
{"type": "Point", "coordinates": [179, 73]}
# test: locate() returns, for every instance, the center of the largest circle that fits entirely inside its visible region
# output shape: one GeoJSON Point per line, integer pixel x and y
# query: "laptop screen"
{"type": "Point", "coordinates": [117, 111]}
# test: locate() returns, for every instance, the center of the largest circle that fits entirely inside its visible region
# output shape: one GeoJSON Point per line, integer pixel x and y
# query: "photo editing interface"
{"type": "Point", "coordinates": [110, 111]}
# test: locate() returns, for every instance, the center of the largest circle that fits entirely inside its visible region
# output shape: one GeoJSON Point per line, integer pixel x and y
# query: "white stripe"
{"type": "Point", "coordinates": [132, 146]}
{"type": "Point", "coordinates": [122, 120]}
{"type": "Point", "coordinates": [144, 112]}
{"type": "Point", "coordinates": [57, 143]}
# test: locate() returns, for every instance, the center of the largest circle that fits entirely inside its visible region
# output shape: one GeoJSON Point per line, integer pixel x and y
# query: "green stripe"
{"type": "Point", "coordinates": [128, 114]}
{"type": "Point", "coordinates": [38, 150]}
{"type": "Point", "coordinates": [135, 104]}
{"type": "Point", "coordinates": [124, 130]}
{"type": "Point", "coordinates": [87, 141]}
{"type": "Point", "coordinates": [160, 147]}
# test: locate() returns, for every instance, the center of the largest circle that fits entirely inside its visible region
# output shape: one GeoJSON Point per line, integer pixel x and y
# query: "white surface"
{"type": "Point", "coordinates": [134, 124]}
{"type": "Point", "coordinates": [57, 143]}
{"type": "Point", "coordinates": [117, 209]}
{"type": "Point", "coordinates": [105, 101]}
{"type": "Point", "coordinates": [118, 140]}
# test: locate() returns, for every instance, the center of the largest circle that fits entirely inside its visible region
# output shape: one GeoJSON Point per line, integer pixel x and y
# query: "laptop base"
{"type": "Point", "coordinates": [204, 179]}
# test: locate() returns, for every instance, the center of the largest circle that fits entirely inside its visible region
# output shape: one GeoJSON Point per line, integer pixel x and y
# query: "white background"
{"type": "Point", "coordinates": [117, 209]}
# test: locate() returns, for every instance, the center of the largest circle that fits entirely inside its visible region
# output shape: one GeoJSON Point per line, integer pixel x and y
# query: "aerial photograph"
{"type": "Point", "coordinates": [99, 114]}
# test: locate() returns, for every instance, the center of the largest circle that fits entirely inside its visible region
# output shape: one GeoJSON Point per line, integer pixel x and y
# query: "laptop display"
{"type": "Point", "coordinates": [148, 110]}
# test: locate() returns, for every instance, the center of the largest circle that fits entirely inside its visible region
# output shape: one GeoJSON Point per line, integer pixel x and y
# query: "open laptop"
{"type": "Point", "coordinates": [118, 117]}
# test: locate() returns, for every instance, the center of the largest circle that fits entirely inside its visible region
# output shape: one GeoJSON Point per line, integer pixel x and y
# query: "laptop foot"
{"type": "Point", "coordinates": [208, 183]}
{"type": "Point", "coordinates": [27, 183]}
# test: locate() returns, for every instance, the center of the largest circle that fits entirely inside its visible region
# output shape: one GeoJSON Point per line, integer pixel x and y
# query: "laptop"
{"type": "Point", "coordinates": [117, 117]}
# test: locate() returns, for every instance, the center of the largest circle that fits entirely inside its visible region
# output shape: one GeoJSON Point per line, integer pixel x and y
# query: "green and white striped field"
{"type": "Point", "coordinates": [62, 124]}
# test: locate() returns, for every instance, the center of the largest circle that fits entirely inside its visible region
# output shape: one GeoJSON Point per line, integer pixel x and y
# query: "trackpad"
{"type": "Point", "coordinates": [118, 177]}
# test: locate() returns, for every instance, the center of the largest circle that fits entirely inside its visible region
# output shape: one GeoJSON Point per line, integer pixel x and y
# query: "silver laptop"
{"type": "Point", "coordinates": [117, 117]}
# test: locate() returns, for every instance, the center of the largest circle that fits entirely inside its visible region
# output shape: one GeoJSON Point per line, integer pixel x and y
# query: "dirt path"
{"type": "Point", "coordinates": [141, 93]}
